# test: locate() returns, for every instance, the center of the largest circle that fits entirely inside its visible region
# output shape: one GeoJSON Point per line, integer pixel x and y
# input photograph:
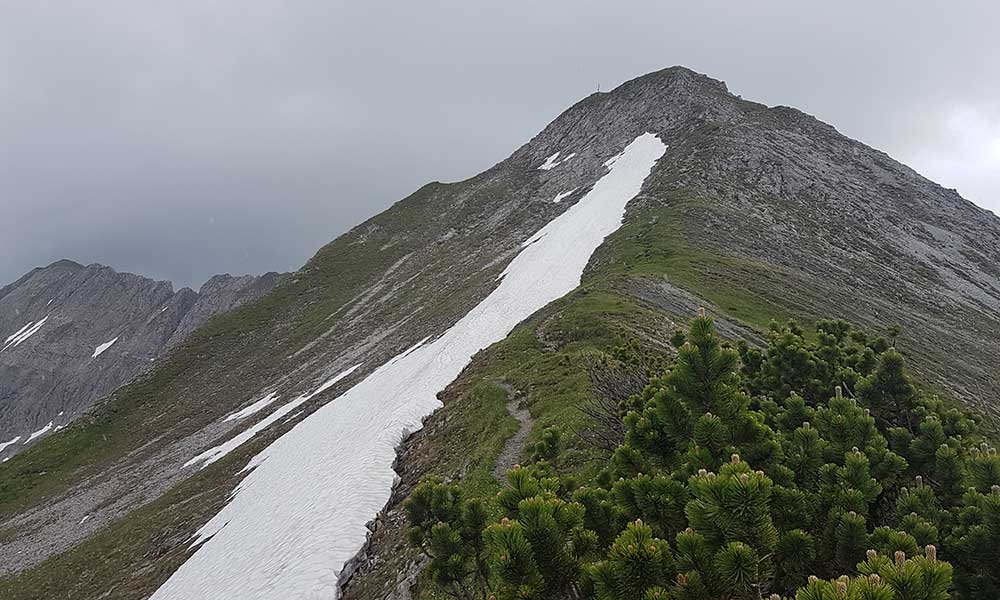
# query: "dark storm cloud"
{"type": "Point", "coordinates": [181, 139]}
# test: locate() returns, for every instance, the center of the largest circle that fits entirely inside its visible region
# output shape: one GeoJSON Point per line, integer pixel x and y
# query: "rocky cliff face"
{"type": "Point", "coordinates": [753, 212]}
{"type": "Point", "coordinates": [73, 333]}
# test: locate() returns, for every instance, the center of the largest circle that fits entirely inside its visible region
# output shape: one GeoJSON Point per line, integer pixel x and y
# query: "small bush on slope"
{"type": "Point", "coordinates": [811, 469]}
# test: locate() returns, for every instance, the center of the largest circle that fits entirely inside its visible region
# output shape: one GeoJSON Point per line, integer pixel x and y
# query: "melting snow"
{"type": "Point", "coordinates": [23, 333]}
{"type": "Point", "coordinates": [17, 333]}
{"type": "Point", "coordinates": [559, 197]}
{"type": "Point", "coordinates": [213, 454]}
{"type": "Point", "coordinates": [100, 349]}
{"type": "Point", "coordinates": [39, 433]}
{"type": "Point", "coordinates": [553, 161]}
{"type": "Point", "coordinates": [550, 162]}
{"type": "Point", "coordinates": [253, 408]}
{"type": "Point", "coordinates": [300, 513]}
{"type": "Point", "coordinates": [10, 443]}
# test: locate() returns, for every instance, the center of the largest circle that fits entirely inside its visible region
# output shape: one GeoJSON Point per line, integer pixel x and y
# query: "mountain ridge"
{"type": "Point", "coordinates": [92, 329]}
{"type": "Point", "coordinates": [752, 212]}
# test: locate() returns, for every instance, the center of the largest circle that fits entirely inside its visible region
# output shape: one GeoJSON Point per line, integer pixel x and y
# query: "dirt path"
{"type": "Point", "coordinates": [513, 448]}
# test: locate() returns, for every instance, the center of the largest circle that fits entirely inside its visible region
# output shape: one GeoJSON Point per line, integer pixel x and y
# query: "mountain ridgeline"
{"type": "Point", "coordinates": [755, 213]}
{"type": "Point", "coordinates": [74, 333]}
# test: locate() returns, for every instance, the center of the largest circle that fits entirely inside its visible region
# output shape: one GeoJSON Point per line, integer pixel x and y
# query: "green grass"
{"type": "Point", "coordinates": [657, 243]}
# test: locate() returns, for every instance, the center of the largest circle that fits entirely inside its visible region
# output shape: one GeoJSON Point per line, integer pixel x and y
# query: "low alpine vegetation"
{"type": "Point", "coordinates": [811, 469]}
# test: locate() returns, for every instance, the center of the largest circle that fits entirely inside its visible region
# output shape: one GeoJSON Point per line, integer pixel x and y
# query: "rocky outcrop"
{"type": "Point", "coordinates": [219, 294]}
{"type": "Point", "coordinates": [70, 334]}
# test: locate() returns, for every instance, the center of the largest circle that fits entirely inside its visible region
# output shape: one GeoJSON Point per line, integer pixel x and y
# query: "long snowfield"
{"type": "Point", "coordinates": [299, 515]}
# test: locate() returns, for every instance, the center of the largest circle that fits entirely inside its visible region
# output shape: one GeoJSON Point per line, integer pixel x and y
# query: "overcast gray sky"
{"type": "Point", "coordinates": [186, 138]}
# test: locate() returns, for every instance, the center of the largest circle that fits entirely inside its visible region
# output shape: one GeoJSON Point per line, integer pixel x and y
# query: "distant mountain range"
{"type": "Point", "coordinates": [72, 334]}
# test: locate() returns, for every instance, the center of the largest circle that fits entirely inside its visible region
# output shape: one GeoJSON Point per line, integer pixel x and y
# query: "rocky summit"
{"type": "Point", "coordinates": [73, 333]}
{"type": "Point", "coordinates": [269, 454]}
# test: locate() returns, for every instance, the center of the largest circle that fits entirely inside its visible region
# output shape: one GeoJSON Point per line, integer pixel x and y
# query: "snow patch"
{"type": "Point", "coordinates": [559, 197]}
{"type": "Point", "coordinates": [553, 161]}
{"type": "Point", "coordinates": [213, 454]}
{"type": "Point", "coordinates": [253, 408]}
{"type": "Point", "coordinates": [10, 443]}
{"type": "Point", "coordinates": [17, 333]}
{"type": "Point", "coordinates": [100, 349]}
{"type": "Point", "coordinates": [550, 162]}
{"type": "Point", "coordinates": [23, 333]}
{"type": "Point", "coordinates": [299, 515]}
{"type": "Point", "coordinates": [39, 433]}
{"type": "Point", "coordinates": [83, 520]}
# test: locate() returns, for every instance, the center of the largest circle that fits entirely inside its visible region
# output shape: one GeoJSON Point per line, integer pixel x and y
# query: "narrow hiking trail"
{"type": "Point", "coordinates": [513, 448]}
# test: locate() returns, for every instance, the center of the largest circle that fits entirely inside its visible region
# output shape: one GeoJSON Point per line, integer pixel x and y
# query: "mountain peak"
{"type": "Point", "coordinates": [65, 263]}
{"type": "Point", "coordinates": [665, 101]}
{"type": "Point", "coordinates": [678, 78]}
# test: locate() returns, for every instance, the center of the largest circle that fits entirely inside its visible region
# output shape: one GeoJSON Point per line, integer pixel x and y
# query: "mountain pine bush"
{"type": "Point", "coordinates": [813, 468]}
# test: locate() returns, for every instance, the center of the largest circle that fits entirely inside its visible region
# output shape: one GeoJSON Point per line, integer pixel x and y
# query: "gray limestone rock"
{"type": "Point", "coordinates": [70, 334]}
